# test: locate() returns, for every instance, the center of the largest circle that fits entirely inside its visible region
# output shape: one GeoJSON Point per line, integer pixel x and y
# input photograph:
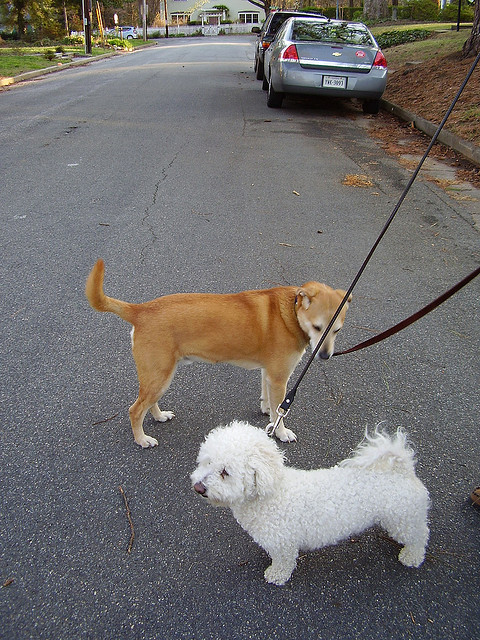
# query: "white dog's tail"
{"type": "Point", "coordinates": [383, 452]}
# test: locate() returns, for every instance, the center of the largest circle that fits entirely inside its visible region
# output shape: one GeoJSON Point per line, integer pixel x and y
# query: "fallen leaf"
{"type": "Point", "coordinates": [355, 180]}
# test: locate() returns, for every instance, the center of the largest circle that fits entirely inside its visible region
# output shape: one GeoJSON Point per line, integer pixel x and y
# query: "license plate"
{"type": "Point", "coordinates": [335, 82]}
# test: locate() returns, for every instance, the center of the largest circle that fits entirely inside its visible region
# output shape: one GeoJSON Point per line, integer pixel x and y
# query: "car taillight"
{"type": "Point", "coordinates": [290, 53]}
{"type": "Point", "coordinates": [380, 61]}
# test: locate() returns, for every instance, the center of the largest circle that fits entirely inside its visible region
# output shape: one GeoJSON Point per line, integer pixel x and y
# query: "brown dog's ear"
{"type": "Point", "coordinates": [302, 298]}
{"type": "Point", "coordinates": [307, 292]}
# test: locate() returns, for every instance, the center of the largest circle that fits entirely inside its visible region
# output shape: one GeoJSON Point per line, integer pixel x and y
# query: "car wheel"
{"type": "Point", "coordinates": [371, 106]}
{"type": "Point", "coordinates": [259, 69]}
{"type": "Point", "coordinates": [274, 99]}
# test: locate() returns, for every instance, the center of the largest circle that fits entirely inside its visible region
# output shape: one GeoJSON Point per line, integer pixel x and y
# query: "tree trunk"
{"type": "Point", "coordinates": [262, 4]}
{"type": "Point", "coordinates": [472, 45]}
{"type": "Point", "coordinates": [65, 18]}
{"type": "Point", "coordinates": [376, 9]}
{"type": "Point", "coordinates": [19, 10]}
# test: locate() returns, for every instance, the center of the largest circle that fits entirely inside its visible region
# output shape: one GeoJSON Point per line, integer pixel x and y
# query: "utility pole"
{"type": "Point", "coordinates": [144, 20]}
{"type": "Point", "coordinates": [166, 19]}
{"type": "Point", "coordinates": [87, 25]}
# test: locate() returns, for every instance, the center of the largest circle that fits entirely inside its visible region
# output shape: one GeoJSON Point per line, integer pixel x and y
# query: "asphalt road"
{"type": "Point", "coordinates": [168, 164]}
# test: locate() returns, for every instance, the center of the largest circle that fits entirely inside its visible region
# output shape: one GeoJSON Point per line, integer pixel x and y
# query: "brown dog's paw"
{"type": "Point", "coordinates": [146, 441]}
{"type": "Point", "coordinates": [161, 416]}
{"type": "Point", "coordinates": [283, 434]}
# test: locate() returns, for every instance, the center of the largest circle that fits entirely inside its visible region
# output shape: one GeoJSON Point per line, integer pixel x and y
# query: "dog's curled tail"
{"type": "Point", "coordinates": [383, 452]}
{"type": "Point", "coordinates": [97, 298]}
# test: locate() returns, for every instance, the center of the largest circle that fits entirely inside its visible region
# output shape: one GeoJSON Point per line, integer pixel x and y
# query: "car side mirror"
{"type": "Point", "coordinates": [255, 29]}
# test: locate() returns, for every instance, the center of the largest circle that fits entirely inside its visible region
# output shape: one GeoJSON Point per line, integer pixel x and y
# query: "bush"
{"type": "Point", "coordinates": [450, 13]}
{"type": "Point", "coordinates": [44, 42]}
{"type": "Point", "coordinates": [49, 54]}
{"type": "Point", "coordinates": [394, 38]}
{"type": "Point", "coordinates": [118, 43]}
{"type": "Point", "coordinates": [329, 12]}
{"type": "Point", "coordinates": [9, 35]}
{"type": "Point", "coordinates": [419, 10]}
{"type": "Point", "coordinates": [70, 40]}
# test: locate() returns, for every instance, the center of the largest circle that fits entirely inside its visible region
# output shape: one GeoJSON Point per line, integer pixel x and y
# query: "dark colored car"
{"type": "Point", "coordinates": [267, 33]}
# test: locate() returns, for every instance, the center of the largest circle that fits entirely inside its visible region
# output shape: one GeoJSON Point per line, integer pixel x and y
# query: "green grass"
{"type": "Point", "coordinates": [444, 42]}
{"type": "Point", "coordinates": [13, 65]}
{"type": "Point", "coordinates": [471, 115]}
{"type": "Point", "coordinates": [429, 26]}
{"type": "Point", "coordinates": [19, 59]}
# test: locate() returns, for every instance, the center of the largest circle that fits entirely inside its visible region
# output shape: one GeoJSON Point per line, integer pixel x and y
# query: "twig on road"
{"type": "Point", "coordinates": [105, 420]}
{"type": "Point", "coordinates": [129, 517]}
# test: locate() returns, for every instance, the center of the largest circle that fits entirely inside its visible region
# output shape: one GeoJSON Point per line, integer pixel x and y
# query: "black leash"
{"type": "Point", "coordinates": [286, 405]}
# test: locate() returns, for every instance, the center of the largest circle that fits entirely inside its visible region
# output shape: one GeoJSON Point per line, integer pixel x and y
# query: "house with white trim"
{"type": "Point", "coordinates": [214, 12]}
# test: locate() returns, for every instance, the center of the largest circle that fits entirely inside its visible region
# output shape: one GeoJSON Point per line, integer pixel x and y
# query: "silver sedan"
{"type": "Point", "coordinates": [334, 58]}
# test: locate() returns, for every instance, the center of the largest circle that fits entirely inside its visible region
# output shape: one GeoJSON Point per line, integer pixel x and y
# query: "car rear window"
{"type": "Point", "coordinates": [343, 33]}
{"type": "Point", "coordinates": [277, 21]}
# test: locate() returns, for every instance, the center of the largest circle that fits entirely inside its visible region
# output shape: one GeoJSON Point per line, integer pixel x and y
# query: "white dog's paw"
{"type": "Point", "coordinates": [146, 441]}
{"type": "Point", "coordinates": [276, 575]}
{"type": "Point", "coordinates": [161, 416]}
{"type": "Point", "coordinates": [412, 556]}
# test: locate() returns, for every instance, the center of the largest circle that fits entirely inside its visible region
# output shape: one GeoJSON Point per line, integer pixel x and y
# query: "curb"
{"type": "Point", "coordinates": [464, 147]}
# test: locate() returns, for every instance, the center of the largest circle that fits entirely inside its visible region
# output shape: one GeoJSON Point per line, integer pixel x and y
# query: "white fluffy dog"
{"type": "Point", "coordinates": [286, 510]}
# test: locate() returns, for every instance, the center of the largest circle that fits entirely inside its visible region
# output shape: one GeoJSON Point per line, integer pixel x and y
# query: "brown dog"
{"type": "Point", "coordinates": [267, 329]}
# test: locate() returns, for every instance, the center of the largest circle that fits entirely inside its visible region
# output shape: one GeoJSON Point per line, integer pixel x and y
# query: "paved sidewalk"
{"type": "Point", "coordinates": [464, 147]}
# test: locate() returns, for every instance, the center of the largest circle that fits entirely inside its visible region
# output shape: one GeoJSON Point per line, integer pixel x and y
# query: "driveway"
{"type": "Point", "coordinates": [168, 164]}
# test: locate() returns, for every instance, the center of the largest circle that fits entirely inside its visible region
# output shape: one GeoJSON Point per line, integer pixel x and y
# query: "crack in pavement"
{"type": "Point", "coordinates": [146, 218]}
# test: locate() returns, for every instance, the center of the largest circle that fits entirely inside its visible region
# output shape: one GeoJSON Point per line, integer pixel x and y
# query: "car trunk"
{"type": "Point", "coordinates": [335, 57]}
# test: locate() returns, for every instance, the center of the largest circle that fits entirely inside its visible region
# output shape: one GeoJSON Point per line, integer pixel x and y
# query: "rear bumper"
{"type": "Point", "coordinates": [290, 77]}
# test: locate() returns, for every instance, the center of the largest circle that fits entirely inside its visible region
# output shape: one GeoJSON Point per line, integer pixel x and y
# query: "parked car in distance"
{"type": "Point", "coordinates": [126, 33]}
{"type": "Point", "coordinates": [267, 33]}
{"type": "Point", "coordinates": [323, 57]}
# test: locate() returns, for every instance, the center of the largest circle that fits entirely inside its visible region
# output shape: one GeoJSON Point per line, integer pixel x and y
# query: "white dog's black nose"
{"type": "Point", "coordinates": [200, 488]}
